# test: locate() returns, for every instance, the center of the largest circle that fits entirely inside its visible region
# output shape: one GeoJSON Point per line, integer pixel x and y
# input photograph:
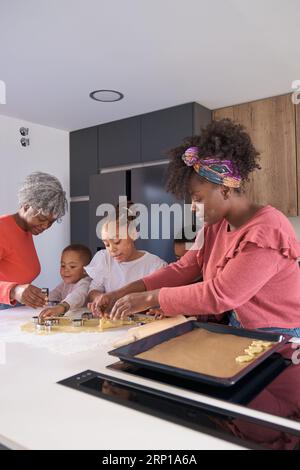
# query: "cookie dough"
{"type": "Point", "coordinates": [94, 325]}
{"type": "Point", "coordinates": [252, 350]}
{"type": "Point", "coordinates": [255, 348]}
{"type": "Point", "coordinates": [242, 359]}
{"type": "Point", "coordinates": [205, 352]}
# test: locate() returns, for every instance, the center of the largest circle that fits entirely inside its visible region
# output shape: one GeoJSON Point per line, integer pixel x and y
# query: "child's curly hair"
{"type": "Point", "coordinates": [223, 139]}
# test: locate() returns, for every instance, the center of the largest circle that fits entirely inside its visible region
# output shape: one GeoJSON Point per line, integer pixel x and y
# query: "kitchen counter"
{"type": "Point", "coordinates": [38, 413]}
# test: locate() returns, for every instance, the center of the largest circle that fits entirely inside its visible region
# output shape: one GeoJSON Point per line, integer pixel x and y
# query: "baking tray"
{"type": "Point", "coordinates": [127, 353]}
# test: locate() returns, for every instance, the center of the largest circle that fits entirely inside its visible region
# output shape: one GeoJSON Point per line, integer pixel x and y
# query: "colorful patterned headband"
{"type": "Point", "coordinates": [213, 169]}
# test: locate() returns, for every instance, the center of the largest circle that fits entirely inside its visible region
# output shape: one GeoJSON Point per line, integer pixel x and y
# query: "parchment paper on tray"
{"type": "Point", "coordinates": [202, 351]}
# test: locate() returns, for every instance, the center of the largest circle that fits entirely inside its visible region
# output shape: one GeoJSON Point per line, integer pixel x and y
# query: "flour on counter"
{"type": "Point", "coordinates": [63, 343]}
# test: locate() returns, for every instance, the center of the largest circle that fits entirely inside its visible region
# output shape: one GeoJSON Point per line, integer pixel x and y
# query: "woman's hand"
{"type": "Point", "coordinates": [134, 303]}
{"type": "Point", "coordinates": [157, 312]}
{"type": "Point", "coordinates": [102, 304]}
{"type": "Point", "coordinates": [51, 312]}
{"type": "Point", "coordinates": [29, 295]}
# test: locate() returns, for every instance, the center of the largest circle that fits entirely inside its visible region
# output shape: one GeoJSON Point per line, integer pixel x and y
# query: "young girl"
{"type": "Point", "coordinates": [72, 292]}
{"type": "Point", "coordinates": [249, 255]}
{"type": "Point", "coordinates": [120, 262]}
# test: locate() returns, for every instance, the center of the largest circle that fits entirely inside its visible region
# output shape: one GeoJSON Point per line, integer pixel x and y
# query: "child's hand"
{"type": "Point", "coordinates": [51, 312]}
{"type": "Point", "coordinates": [102, 304]}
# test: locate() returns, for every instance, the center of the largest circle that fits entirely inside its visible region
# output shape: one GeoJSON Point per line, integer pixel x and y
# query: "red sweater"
{"type": "Point", "coordinates": [19, 263]}
{"type": "Point", "coordinates": [253, 270]}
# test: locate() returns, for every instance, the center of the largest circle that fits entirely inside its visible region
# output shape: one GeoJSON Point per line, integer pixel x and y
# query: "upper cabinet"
{"type": "Point", "coordinates": [79, 216]}
{"type": "Point", "coordinates": [164, 129]}
{"type": "Point", "coordinates": [147, 137]}
{"type": "Point", "coordinates": [271, 125]}
{"type": "Point", "coordinates": [130, 142]}
{"type": "Point", "coordinates": [104, 189]}
{"type": "Point", "coordinates": [119, 142]}
{"type": "Point", "coordinates": [83, 159]}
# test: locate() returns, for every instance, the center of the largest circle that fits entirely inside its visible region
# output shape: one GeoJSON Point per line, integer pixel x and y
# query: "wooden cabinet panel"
{"type": "Point", "coordinates": [271, 125]}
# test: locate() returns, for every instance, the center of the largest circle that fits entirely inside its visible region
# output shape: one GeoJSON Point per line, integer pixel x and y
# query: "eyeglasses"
{"type": "Point", "coordinates": [43, 218]}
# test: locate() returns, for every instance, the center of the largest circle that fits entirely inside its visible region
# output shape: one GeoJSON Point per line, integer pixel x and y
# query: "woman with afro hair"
{"type": "Point", "coordinates": [248, 258]}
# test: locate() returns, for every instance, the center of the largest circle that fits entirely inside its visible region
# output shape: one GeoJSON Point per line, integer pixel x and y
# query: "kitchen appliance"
{"type": "Point", "coordinates": [130, 352]}
{"type": "Point", "coordinates": [164, 396]}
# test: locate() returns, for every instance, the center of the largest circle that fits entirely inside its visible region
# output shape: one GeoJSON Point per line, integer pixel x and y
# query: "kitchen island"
{"type": "Point", "coordinates": [38, 413]}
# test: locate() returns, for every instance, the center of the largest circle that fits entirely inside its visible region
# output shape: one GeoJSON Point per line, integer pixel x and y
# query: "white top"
{"type": "Point", "coordinates": [108, 274]}
{"type": "Point", "coordinates": [74, 294]}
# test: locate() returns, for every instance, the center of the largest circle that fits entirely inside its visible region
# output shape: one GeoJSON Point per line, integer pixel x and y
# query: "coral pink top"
{"type": "Point", "coordinates": [253, 270]}
{"type": "Point", "coordinates": [19, 263]}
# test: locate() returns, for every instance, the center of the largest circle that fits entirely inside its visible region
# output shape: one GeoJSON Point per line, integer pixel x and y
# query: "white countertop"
{"type": "Point", "coordinates": [37, 413]}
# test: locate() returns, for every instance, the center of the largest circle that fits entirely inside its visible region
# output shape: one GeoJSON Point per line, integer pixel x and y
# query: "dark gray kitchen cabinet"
{"type": "Point", "coordinates": [148, 188]}
{"type": "Point", "coordinates": [104, 189]}
{"type": "Point", "coordinates": [164, 129]}
{"type": "Point", "coordinates": [83, 159]}
{"type": "Point", "coordinates": [80, 222]}
{"type": "Point", "coordinates": [126, 142]}
{"type": "Point", "coordinates": [119, 143]}
{"type": "Point", "coordinates": [147, 137]}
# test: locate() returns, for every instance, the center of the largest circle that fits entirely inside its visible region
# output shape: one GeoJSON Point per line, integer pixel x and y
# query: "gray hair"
{"type": "Point", "coordinates": [44, 193]}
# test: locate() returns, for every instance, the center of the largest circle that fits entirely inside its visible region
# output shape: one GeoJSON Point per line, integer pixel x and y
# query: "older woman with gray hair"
{"type": "Point", "coordinates": [42, 201]}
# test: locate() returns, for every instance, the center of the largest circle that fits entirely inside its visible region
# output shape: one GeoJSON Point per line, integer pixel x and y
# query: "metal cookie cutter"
{"type": "Point", "coordinates": [77, 322]}
{"type": "Point", "coordinates": [40, 327]}
{"type": "Point", "coordinates": [134, 318]}
{"type": "Point", "coordinates": [87, 316]}
{"type": "Point", "coordinates": [48, 324]}
{"type": "Point", "coordinates": [45, 291]}
{"type": "Point", "coordinates": [35, 319]}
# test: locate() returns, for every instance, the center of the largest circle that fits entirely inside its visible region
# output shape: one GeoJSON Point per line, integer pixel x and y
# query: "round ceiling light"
{"type": "Point", "coordinates": [106, 95]}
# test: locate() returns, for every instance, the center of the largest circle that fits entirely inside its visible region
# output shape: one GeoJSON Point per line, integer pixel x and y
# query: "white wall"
{"type": "Point", "coordinates": [48, 152]}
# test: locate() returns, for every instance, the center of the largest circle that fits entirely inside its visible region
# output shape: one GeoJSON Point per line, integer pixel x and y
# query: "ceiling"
{"type": "Point", "coordinates": [159, 53]}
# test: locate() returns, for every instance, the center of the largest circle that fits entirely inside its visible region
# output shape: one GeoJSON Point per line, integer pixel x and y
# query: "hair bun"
{"type": "Point", "coordinates": [123, 211]}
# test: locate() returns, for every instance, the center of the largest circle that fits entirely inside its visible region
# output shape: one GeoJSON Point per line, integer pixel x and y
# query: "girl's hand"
{"type": "Point", "coordinates": [30, 295]}
{"type": "Point", "coordinates": [102, 304]}
{"type": "Point", "coordinates": [134, 303]}
{"type": "Point", "coordinates": [51, 312]}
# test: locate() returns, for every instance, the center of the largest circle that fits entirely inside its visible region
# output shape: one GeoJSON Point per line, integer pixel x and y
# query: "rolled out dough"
{"type": "Point", "coordinates": [202, 351]}
{"type": "Point", "coordinates": [94, 325]}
